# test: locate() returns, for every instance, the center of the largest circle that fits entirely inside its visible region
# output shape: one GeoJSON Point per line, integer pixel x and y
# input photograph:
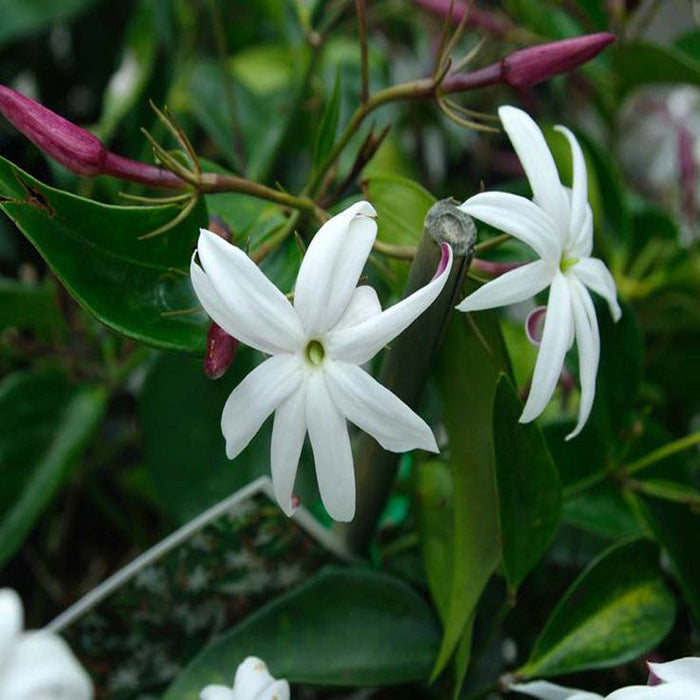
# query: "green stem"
{"type": "Point", "coordinates": [666, 451]}
{"type": "Point", "coordinates": [275, 239]}
{"type": "Point", "coordinates": [492, 243]}
{"type": "Point", "coordinates": [362, 26]}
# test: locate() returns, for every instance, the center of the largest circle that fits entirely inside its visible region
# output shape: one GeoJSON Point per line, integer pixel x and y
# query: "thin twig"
{"type": "Point", "coordinates": [400, 252]}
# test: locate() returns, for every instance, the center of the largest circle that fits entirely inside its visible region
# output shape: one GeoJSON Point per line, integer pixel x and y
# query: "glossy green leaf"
{"type": "Point", "coordinates": [677, 528]}
{"type": "Point", "coordinates": [527, 484]}
{"type": "Point", "coordinates": [401, 205]}
{"type": "Point", "coordinates": [184, 448]}
{"type": "Point", "coordinates": [344, 628]}
{"type": "Point", "coordinates": [435, 515]}
{"type": "Point", "coordinates": [30, 306]}
{"type": "Point", "coordinates": [139, 288]}
{"type": "Point", "coordinates": [471, 358]}
{"type": "Point", "coordinates": [642, 63]}
{"type": "Point", "coordinates": [616, 610]}
{"type": "Point", "coordinates": [329, 125]}
{"type": "Point", "coordinates": [602, 511]}
{"type": "Point", "coordinates": [46, 423]}
{"type": "Point", "coordinates": [22, 18]}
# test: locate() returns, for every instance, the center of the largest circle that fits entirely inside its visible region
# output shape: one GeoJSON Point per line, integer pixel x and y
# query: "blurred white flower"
{"type": "Point", "coordinates": [36, 665]}
{"type": "Point", "coordinates": [313, 380]}
{"type": "Point", "coordinates": [558, 226]}
{"type": "Point", "coordinates": [253, 682]}
{"type": "Point", "coordinates": [675, 680]}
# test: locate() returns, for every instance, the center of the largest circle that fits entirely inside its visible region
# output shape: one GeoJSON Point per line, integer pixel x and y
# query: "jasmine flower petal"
{"type": "Point", "coordinates": [596, 276]}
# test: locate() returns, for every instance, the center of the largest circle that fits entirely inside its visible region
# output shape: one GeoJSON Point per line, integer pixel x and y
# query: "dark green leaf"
{"type": "Point", "coordinates": [471, 359]}
{"type": "Point", "coordinates": [46, 424]}
{"type": "Point", "coordinates": [345, 627]}
{"type": "Point", "coordinates": [616, 610]}
{"type": "Point", "coordinates": [677, 528]}
{"type": "Point", "coordinates": [29, 306]}
{"type": "Point", "coordinates": [642, 63]}
{"type": "Point", "coordinates": [329, 125]}
{"type": "Point", "coordinates": [130, 285]}
{"type": "Point", "coordinates": [185, 450]}
{"type": "Point", "coordinates": [527, 483]}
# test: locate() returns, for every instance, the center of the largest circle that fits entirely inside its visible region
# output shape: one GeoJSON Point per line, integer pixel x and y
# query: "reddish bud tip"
{"type": "Point", "coordinates": [72, 146]}
{"type": "Point", "coordinates": [220, 351]}
{"type": "Point", "coordinates": [296, 501]}
{"type": "Point", "coordinates": [534, 325]}
{"type": "Point", "coordinates": [537, 63]}
{"type": "Point", "coordinates": [218, 226]}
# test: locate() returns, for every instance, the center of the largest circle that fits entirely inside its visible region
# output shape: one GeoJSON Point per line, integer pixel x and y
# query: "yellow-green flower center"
{"type": "Point", "coordinates": [315, 353]}
{"type": "Point", "coordinates": [567, 263]}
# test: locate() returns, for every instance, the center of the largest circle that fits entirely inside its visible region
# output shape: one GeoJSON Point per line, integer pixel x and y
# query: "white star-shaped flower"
{"type": "Point", "coordinates": [313, 381]}
{"type": "Point", "coordinates": [558, 225]}
{"type": "Point", "coordinates": [675, 680]}
{"type": "Point", "coordinates": [36, 664]}
{"type": "Point", "coordinates": [252, 682]}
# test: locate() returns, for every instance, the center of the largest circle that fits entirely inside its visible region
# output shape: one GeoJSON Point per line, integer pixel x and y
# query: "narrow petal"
{"type": "Point", "coordinates": [686, 670]}
{"type": "Point", "coordinates": [537, 161]}
{"type": "Point", "coordinates": [550, 691]}
{"type": "Point", "coordinates": [42, 665]}
{"type": "Point", "coordinates": [581, 242]}
{"type": "Point", "coordinates": [216, 692]}
{"type": "Point", "coordinates": [579, 185]}
{"type": "Point", "coordinates": [256, 308]}
{"type": "Point", "coordinates": [510, 288]}
{"type": "Point", "coordinates": [330, 442]}
{"type": "Point", "coordinates": [364, 304]}
{"type": "Point", "coordinates": [332, 265]}
{"type": "Point", "coordinates": [376, 410]}
{"type": "Point", "coordinates": [596, 276]}
{"type": "Point", "coordinates": [555, 341]}
{"type": "Point", "coordinates": [520, 218]}
{"type": "Point", "coordinates": [588, 344]}
{"type": "Point", "coordinates": [256, 397]}
{"type": "Point", "coordinates": [359, 343]}
{"type": "Point", "coordinates": [11, 621]}
{"type": "Point", "coordinates": [288, 432]}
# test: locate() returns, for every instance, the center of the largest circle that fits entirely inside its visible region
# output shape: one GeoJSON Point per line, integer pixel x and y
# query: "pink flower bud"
{"type": "Point", "coordinates": [221, 349]}
{"type": "Point", "coordinates": [532, 65]}
{"type": "Point", "coordinates": [476, 18]}
{"type": "Point", "coordinates": [72, 146]}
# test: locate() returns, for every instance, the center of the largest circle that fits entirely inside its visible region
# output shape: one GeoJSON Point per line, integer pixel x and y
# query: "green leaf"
{"type": "Point", "coordinates": [642, 63]}
{"type": "Point", "coordinates": [603, 511]}
{"type": "Point", "coordinates": [527, 484]}
{"type": "Point", "coordinates": [401, 205]}
{"type": "Point", "coordinates": [130, 285]}
{"type": "Point", "coordinates": [20, 19]}
{"type": "Point", "coordinates": [435, 515]}
{"type": "Point", "coordinates": [471, 359]}
{"type": "Point", "coordinates": [46, 424]}
{"type": "Point", "coordinates": [184, 448]}
{"type": "Point", "coordinates": [343, 628]}
{"type": "Point", "coordinates": [329, 125]}
{"type": "Point", "coordinates": [616, 610]}
{"type": "Point", "coordinates": [677, 528]}
{"type": "Point", "coordinates": [32, 306]}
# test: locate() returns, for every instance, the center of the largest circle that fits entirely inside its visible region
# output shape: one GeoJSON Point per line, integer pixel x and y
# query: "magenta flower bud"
{"type": "Point", "coordinates": [72, 146]}
{"type": "Point", "coordinates": [221, 349]}
{"type": "Point", "coordinates": [532, 65]}
{"type": "Point", "coordinates": [76, 148]}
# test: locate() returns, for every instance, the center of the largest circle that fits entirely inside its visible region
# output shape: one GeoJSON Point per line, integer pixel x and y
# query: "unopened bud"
{"type": "Point", "coordinates": [218, 226]}
{"type": "Point", "coordinates": [72, 146]}
{"type": "Point", "coordinates": [76, 148]}
{"type": "Point", "coordinates": [220, 351]}
{"type": "Point", "coordinates": [532, 65]}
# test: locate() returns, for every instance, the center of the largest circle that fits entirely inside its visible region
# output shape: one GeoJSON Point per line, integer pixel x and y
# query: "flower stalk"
{"type": "Point", "coordinates": [406, 364]}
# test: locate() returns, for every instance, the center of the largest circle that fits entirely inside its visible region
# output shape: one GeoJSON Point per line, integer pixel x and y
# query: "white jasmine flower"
{"type": "Point", "coordinates": [558, 225]}
{"type": "Point", "coordinates": [313, 380]}
{"type": "Point", "coordinates": [36, 665]}
{"type": "Point", "coordinates": [253, 682]}
{"type": "Point", "coordinates": [676, 680]}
